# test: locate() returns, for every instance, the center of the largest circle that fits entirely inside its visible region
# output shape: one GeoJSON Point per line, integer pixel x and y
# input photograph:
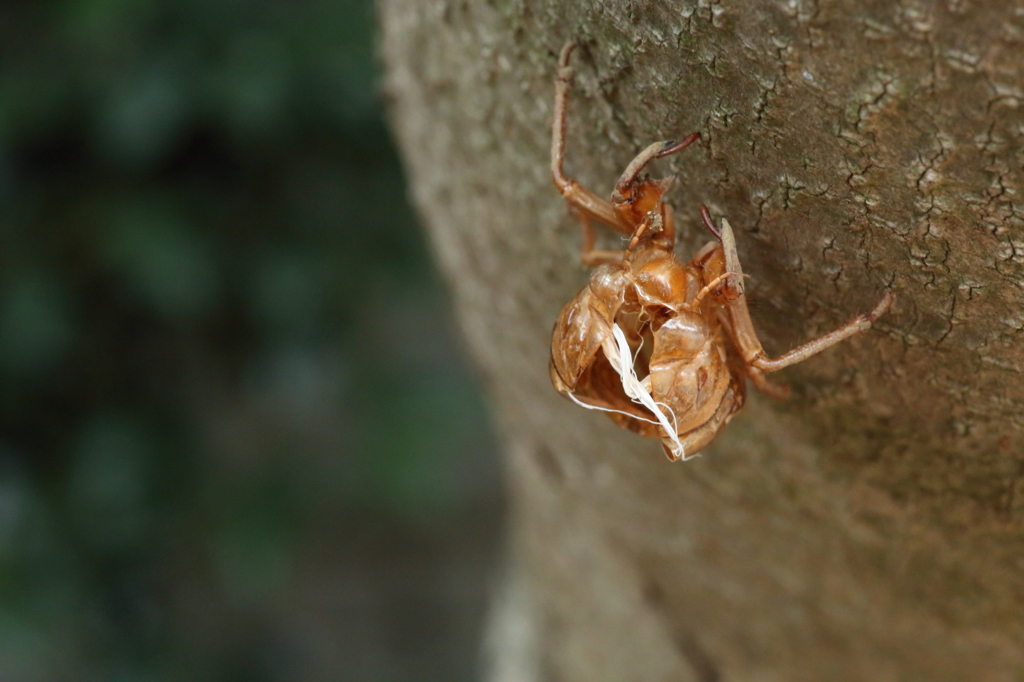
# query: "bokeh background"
{"type": "Point", "coordinates": [238, 440]}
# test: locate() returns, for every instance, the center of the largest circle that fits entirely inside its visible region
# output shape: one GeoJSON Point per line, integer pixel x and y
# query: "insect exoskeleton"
{"type": "Point", "coordinates": [638, 343]}
{"type": "Point", "coordinates": [662, 348]}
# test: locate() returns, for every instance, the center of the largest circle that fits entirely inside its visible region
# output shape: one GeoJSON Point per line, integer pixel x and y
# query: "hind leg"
{"type": "Point", "coordinates": [741, 327]}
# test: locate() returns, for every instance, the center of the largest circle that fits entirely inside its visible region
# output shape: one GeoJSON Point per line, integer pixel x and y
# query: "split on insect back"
{"type": "Point", "coordinates": [663, 349]}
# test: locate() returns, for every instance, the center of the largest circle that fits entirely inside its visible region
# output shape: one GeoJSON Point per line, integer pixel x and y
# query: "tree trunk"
{"type": "Point", "coordinates": [872, 526]}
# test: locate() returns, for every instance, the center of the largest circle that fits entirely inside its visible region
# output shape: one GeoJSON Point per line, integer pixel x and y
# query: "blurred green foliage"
{"type": "Point", "coordinates": [228, 381]}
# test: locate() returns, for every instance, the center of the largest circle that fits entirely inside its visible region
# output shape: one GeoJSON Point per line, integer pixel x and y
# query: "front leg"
{"type": "Point", "coordinates": [577, 196]}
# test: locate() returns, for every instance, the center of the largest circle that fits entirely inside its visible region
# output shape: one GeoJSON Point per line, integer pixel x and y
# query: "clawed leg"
{"type": "Point", "coordinates": [656, 150]}
{"type": "Point", "coordinates": [741, 327]}
{"type": "Point", "coordinates": [578, 196]}
{"type": "Point", "coordinates": [635, 199]}
{"type": "Point", "coordinates": [859, 324]}
{"type": "Point", "coordinates": [648, 193]}
{"type": "Point", "coordinates": [734, 287]}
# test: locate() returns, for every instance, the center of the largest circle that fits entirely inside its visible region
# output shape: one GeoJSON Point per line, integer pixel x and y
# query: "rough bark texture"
{"type": "Point", "coordinates": [872, 527]}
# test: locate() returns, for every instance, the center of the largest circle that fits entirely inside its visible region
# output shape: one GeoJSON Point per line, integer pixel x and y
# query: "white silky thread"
{"type": "Point", "coordinates": [607, 409]}
{"type": "Point", "coordinates": [623, 364]}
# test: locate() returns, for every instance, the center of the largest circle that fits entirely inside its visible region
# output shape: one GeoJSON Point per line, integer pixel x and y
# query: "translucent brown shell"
{"type": "Point", "coordinates": [663, 349]}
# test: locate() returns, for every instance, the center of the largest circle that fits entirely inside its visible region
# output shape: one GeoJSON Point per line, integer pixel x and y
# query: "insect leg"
{"type": "Point", "coordinates": [590, 256]}
{"type": "Point", "coordinates": [734, 286]}
{"type": "Point", "coordinates": [653, 151]}
{"type": "Point", "coordinates": [666, 227]}
{"type": "Point", "coordinates": [708, 288]}
{"type": "Point", "coordinates": [705, 215]}
{"type": "Point", "coordinates": [857, 325]}
{"type": "Point", "coordinates": [742, 327]}
{"type": "Point", "coordinates": [765, 385]}
{"type": "Point", "coordinates": [578, 196]}
{"type": "Point", "coordinates": [637, 233]}
{"type": "Point", "coordinates": [755, 375]}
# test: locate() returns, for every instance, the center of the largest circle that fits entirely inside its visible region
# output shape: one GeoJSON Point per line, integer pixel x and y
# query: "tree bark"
{"type": "Point", "coordinates": [872, 526]}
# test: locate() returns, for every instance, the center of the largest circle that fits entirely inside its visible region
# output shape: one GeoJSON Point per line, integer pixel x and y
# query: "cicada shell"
{"type": "Point", "coordinates": [664, 349]}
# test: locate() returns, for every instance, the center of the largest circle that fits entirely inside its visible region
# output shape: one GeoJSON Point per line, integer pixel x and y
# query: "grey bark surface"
{"type": "Point", "coordinates": [872, 526]}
